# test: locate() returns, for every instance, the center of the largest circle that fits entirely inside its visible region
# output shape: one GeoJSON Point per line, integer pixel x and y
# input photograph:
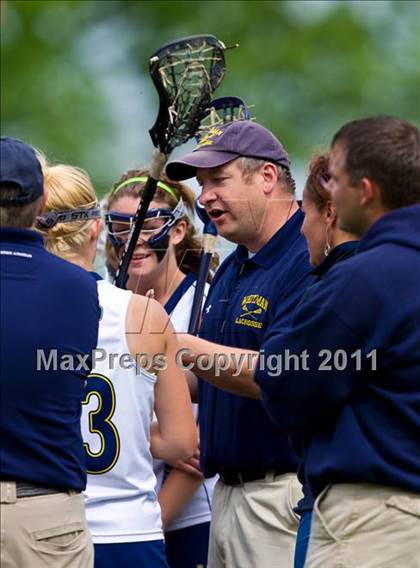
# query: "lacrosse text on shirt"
{"type": "Point", "coordinates": [253, 307]}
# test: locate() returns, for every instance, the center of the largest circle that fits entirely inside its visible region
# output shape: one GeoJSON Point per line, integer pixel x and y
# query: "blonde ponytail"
{"type": "Point", "coordinates": [67, 187]}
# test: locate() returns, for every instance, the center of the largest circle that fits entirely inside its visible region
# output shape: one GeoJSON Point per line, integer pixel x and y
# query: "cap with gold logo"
{"type": "Point", "coordinates": [224, 143]}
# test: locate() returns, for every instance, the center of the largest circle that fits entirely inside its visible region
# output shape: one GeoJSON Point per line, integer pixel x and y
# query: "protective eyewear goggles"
{"type": "Point", "coordinates": [157, 224]}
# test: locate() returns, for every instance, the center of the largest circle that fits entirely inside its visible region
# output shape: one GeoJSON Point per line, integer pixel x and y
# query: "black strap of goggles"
{"type": "Point", "coordinates": [50, 219]}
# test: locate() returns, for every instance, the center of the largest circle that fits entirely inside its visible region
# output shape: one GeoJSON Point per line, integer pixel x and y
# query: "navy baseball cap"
{"type": "Point", "coordinates": [20, 168]}
{"type": "Point", "coordinates": [225, 143]}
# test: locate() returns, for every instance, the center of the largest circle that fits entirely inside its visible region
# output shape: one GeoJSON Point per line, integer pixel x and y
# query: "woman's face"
{"type": "Point", "coordinates": [144, 261]}
{"type": "Point", "coordinates": [314, 229]}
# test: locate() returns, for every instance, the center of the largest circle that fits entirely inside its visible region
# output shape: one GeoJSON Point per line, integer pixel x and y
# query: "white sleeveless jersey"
{"type": "Point", "coordinates": [198, 508]}
{"type": "Point", "coordinates": [120, 497]}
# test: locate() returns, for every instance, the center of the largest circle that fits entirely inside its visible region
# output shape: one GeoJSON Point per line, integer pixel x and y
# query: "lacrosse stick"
{"type": "Point", "coordinates": [207, 251]}
{"type": "Point", "coordinates": [222, 111]}
{"type": "Point", "coordinates": [219, 111]}
{"type": "Point", "coordinates": [185, 73]}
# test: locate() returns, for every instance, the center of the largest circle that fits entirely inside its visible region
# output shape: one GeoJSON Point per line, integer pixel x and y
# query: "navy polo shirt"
{"type": "Point", "coordinates": [250, 300]}
{"type": "Point", "coordinates": [48, 305]}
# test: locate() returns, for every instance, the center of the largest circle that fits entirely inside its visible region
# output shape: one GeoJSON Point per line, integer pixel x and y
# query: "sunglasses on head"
{"type": "Point", "coordinates": [324, 180]}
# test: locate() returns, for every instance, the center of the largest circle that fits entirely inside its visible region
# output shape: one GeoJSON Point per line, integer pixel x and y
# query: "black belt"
{"type": "Point", "coordinates": [240, 477]}
{"type": "Point", "coordinates": [24, 489]}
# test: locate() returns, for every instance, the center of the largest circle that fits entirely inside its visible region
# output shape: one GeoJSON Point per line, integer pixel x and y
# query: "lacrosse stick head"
{"type": "Point", "coordinates": [185, 73]}
{"type": "Point", "coordinates": [221, 111]}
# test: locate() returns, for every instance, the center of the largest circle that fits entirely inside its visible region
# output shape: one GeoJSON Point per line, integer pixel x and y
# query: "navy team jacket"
{"type": "Point", "coordinates": [46, 304]}
{"type": "Point", "coordinates": [360, 417]}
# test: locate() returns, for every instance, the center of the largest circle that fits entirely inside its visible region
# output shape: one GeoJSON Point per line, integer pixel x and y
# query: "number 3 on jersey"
{"type": "Point", "coordinates": [101, 442]}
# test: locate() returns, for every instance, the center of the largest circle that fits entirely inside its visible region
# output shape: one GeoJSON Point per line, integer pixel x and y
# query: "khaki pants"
{"type": "Point", "coordinates": [253, 525]}
{"type": "Point", "coordinates": [44, 531]}
{"type": "Point", "coordinates": [365, 526]}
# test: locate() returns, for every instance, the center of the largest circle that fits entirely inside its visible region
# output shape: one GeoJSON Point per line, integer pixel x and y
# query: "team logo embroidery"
{"type": "Point", "coordinates": [207, 139]}
{"type": "Point", "coordinates": [253, 308]}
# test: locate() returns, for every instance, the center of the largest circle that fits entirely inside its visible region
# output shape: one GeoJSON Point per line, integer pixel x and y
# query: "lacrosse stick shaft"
{"type": "Point", "coordinates": [156, 168]}
{"type": "Point", "coordinates": [209, 245]}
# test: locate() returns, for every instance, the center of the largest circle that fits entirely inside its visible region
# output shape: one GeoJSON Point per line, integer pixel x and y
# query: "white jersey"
{"type": "Point", "coordinates": [120, 497]}
{"type": "Point", "coordinates": [198, 508]}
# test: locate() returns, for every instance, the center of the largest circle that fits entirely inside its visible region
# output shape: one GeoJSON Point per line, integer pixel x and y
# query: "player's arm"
{"type": "Point", "coordinates": [175, 437]}
{"type": "Point", "coordinates": [228, 368]}
{"type": "Point", "coordinates": [175, 493]}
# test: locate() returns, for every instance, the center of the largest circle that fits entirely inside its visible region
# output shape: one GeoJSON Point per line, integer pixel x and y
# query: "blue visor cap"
{"type": "Point", "coordinates": [20, 169]}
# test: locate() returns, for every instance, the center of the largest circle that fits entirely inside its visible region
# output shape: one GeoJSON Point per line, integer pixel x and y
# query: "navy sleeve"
{"type": "Point", "coordinates": [293, 287]}
{"type": "Point", "coordinates": [306, 374]}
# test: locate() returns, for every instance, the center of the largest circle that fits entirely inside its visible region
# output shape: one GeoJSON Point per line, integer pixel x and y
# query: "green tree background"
{"type": "Point", "coordinates": [74, 74]}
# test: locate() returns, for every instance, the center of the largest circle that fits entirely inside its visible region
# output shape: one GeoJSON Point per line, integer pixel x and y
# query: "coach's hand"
{"type": "Point", "coordinates": [190, 466]}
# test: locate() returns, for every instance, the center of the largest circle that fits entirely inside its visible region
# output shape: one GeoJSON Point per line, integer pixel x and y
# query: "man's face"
{"type": "Point", "coordinates": [345, 196]}
{"type": "Point", "coordinates": [236, 206]}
